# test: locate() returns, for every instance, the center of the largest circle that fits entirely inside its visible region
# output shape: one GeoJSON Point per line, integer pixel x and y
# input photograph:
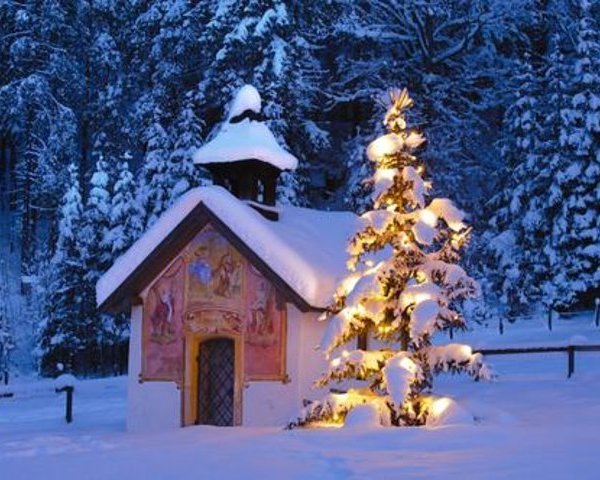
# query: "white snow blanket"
{"type": "Point", "coordinates": [531, 423]}
{"type": "Point", "coordinates": [245, 140]}
{"type": "Point", "coordinates": [64, 380]}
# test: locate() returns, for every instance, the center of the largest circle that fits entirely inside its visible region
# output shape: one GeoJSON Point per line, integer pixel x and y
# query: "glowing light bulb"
{"type": "Point", "coordinates": [428, 217]}
{"type": "Point", "coordinates": [466, 350]}
{"type": "Point", "coordinates": [439, 406]}
{"type": "Point", "coordinates": [421, 277]}
{"type": "Point", "coordinates": [385, 174]}
{"type": "Point", "coordinates": [384, 329]}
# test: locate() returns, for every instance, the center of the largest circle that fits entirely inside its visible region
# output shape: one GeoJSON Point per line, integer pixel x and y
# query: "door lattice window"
{"type": "Point", "coordinates": [216, 372]}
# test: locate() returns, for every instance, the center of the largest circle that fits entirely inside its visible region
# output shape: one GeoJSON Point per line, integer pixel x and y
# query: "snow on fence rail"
{"type": "Point", "coordinates": [570, 349]}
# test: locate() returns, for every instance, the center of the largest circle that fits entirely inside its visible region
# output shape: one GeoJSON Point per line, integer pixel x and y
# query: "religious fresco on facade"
{"type": "Point", "coordinates": [215, 273]}
{"type": "Point", "coordinates": [264, 351]}
{"type": "Point", "coordinates": [212, 289]}
{"type": "Point", "coordinates": [163, 327]}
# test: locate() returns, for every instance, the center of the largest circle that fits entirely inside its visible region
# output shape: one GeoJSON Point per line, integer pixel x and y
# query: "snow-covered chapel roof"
{"type": "Point", "coordinates": [306, 248]}
{"type": "Point", "coordinates": [246, 139]}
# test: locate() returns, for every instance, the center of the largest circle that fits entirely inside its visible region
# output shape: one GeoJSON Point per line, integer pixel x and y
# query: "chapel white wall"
{"type": "Point", "coordinates": [312, 361]}
{"type": "Point", "coordinates": [150, 405]}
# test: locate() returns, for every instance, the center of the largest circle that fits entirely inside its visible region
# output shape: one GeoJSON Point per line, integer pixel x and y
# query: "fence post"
{"type": "Point", "coordinates": [69, 401]}
{"type": "Point", "coordinates": [597, 313]}
{"type": "Point", "coordinates": [571, 360]}
{"type": "Point", "coordinates": [65, 384]}
{"type": "Point", "coordinates": [501, 325]}
{"type": "Point", "coordinates": [550, 319]}
{"type": "Point", "coordinates": [451, 332]}
{"type": "Point", "coordinates": [69, 412]}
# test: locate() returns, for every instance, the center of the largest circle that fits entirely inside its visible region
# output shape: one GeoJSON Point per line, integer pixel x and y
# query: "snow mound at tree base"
{"type": "Point", "coordinates": [446, 411]}
{"type": "Point", "coordinates": [363, 417]}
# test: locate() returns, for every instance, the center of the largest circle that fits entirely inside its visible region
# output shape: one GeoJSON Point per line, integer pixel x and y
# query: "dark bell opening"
{"type": "Point", "coordinates": [247, 114]}
{"type": "Point", "coordinates": [250, 180]}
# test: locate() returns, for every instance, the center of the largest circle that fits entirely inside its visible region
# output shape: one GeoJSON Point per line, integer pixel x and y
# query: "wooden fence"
{"type": "Point", "coordinates": [570, 350]}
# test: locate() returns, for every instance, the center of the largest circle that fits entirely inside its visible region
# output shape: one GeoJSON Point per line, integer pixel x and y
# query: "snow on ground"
{"type": "Point", "coordinates": [530, 423]}
{"type": "Point", "coordinates": [578, 329]}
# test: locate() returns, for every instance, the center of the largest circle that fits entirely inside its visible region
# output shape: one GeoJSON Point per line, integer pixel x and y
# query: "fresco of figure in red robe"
{"type": "Point", "coordinates": [162, 329]}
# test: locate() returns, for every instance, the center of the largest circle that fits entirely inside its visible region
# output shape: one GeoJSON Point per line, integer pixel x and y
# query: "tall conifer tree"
{"type": "Point", "coordinates": [518, 209]}
{"type": "Point", "coordinates": [404, 287]}
{"type": "Point", "coordinates": [578, 221]}
{"type": "Point", "coordinates": [126, 216]}
{"type": "Point", "coordinates": [68, 334]}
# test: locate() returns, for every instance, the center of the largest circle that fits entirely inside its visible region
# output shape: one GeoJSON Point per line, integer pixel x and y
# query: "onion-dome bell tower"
{"type": "Point", "coordinates": [244, 156]}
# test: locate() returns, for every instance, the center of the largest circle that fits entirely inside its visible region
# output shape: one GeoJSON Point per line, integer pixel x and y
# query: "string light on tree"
{"type": "Point", "coordinates": [404, 286]}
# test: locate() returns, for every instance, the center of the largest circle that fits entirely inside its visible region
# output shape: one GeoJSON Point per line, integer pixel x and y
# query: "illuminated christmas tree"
{"type": "Point", "coordinates": [404, 287]}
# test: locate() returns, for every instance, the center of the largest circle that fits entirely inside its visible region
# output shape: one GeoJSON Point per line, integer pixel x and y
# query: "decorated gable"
{"type": "Point", "coordinates": [210, 289]}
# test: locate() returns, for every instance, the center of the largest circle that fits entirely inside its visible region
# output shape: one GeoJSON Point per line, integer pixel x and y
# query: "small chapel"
{"type": "Point", "coordinates": [226, 289]}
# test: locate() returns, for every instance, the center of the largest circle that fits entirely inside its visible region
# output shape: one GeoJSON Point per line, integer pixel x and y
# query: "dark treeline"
{"type": "Point", "coordinates": [102, 101]}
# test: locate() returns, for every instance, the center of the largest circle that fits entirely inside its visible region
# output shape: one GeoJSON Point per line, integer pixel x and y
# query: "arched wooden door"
{"type": "Point", "coordinates": [216, 382]}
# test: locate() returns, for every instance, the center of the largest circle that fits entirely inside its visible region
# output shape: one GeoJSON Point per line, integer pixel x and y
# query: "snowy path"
{"type": "Point", "coordinates": [533, 423]}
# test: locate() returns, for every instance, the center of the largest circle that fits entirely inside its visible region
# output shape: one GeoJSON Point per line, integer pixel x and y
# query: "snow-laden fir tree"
{"type": "Point", "coordinates": [578, 220]}
{"type": "Point", "coordinates": [126, 216]}
{"type": "Point", "coordinates": [165, 116]}
{"type": "Point", "coordinates": [96, 223]}
{"type": "Point", "coordinates": [39, 78]}
{"type": "Point", "coordinates": [515, 240]}
{"type": "Point", "coordinates": [554, 160]}
{"type": "Point", "coordinates": [154, 189]}
{"type": "Point", "coordinates": [188, 137]}
{"type": "Point", "coordinates": [359, 170]}
{"type": "Point", "coordinates": [125, 224]}
{"type": "Point", "coordinates": [404, 287]}
{"type": "Point", "coordinates": [97, 254]}
{"type": "Point", "coordinates": [68, 334]}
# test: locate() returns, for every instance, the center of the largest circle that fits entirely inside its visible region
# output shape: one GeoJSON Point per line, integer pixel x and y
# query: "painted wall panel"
{"type": "Point", "coordinates": [211, 287]}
